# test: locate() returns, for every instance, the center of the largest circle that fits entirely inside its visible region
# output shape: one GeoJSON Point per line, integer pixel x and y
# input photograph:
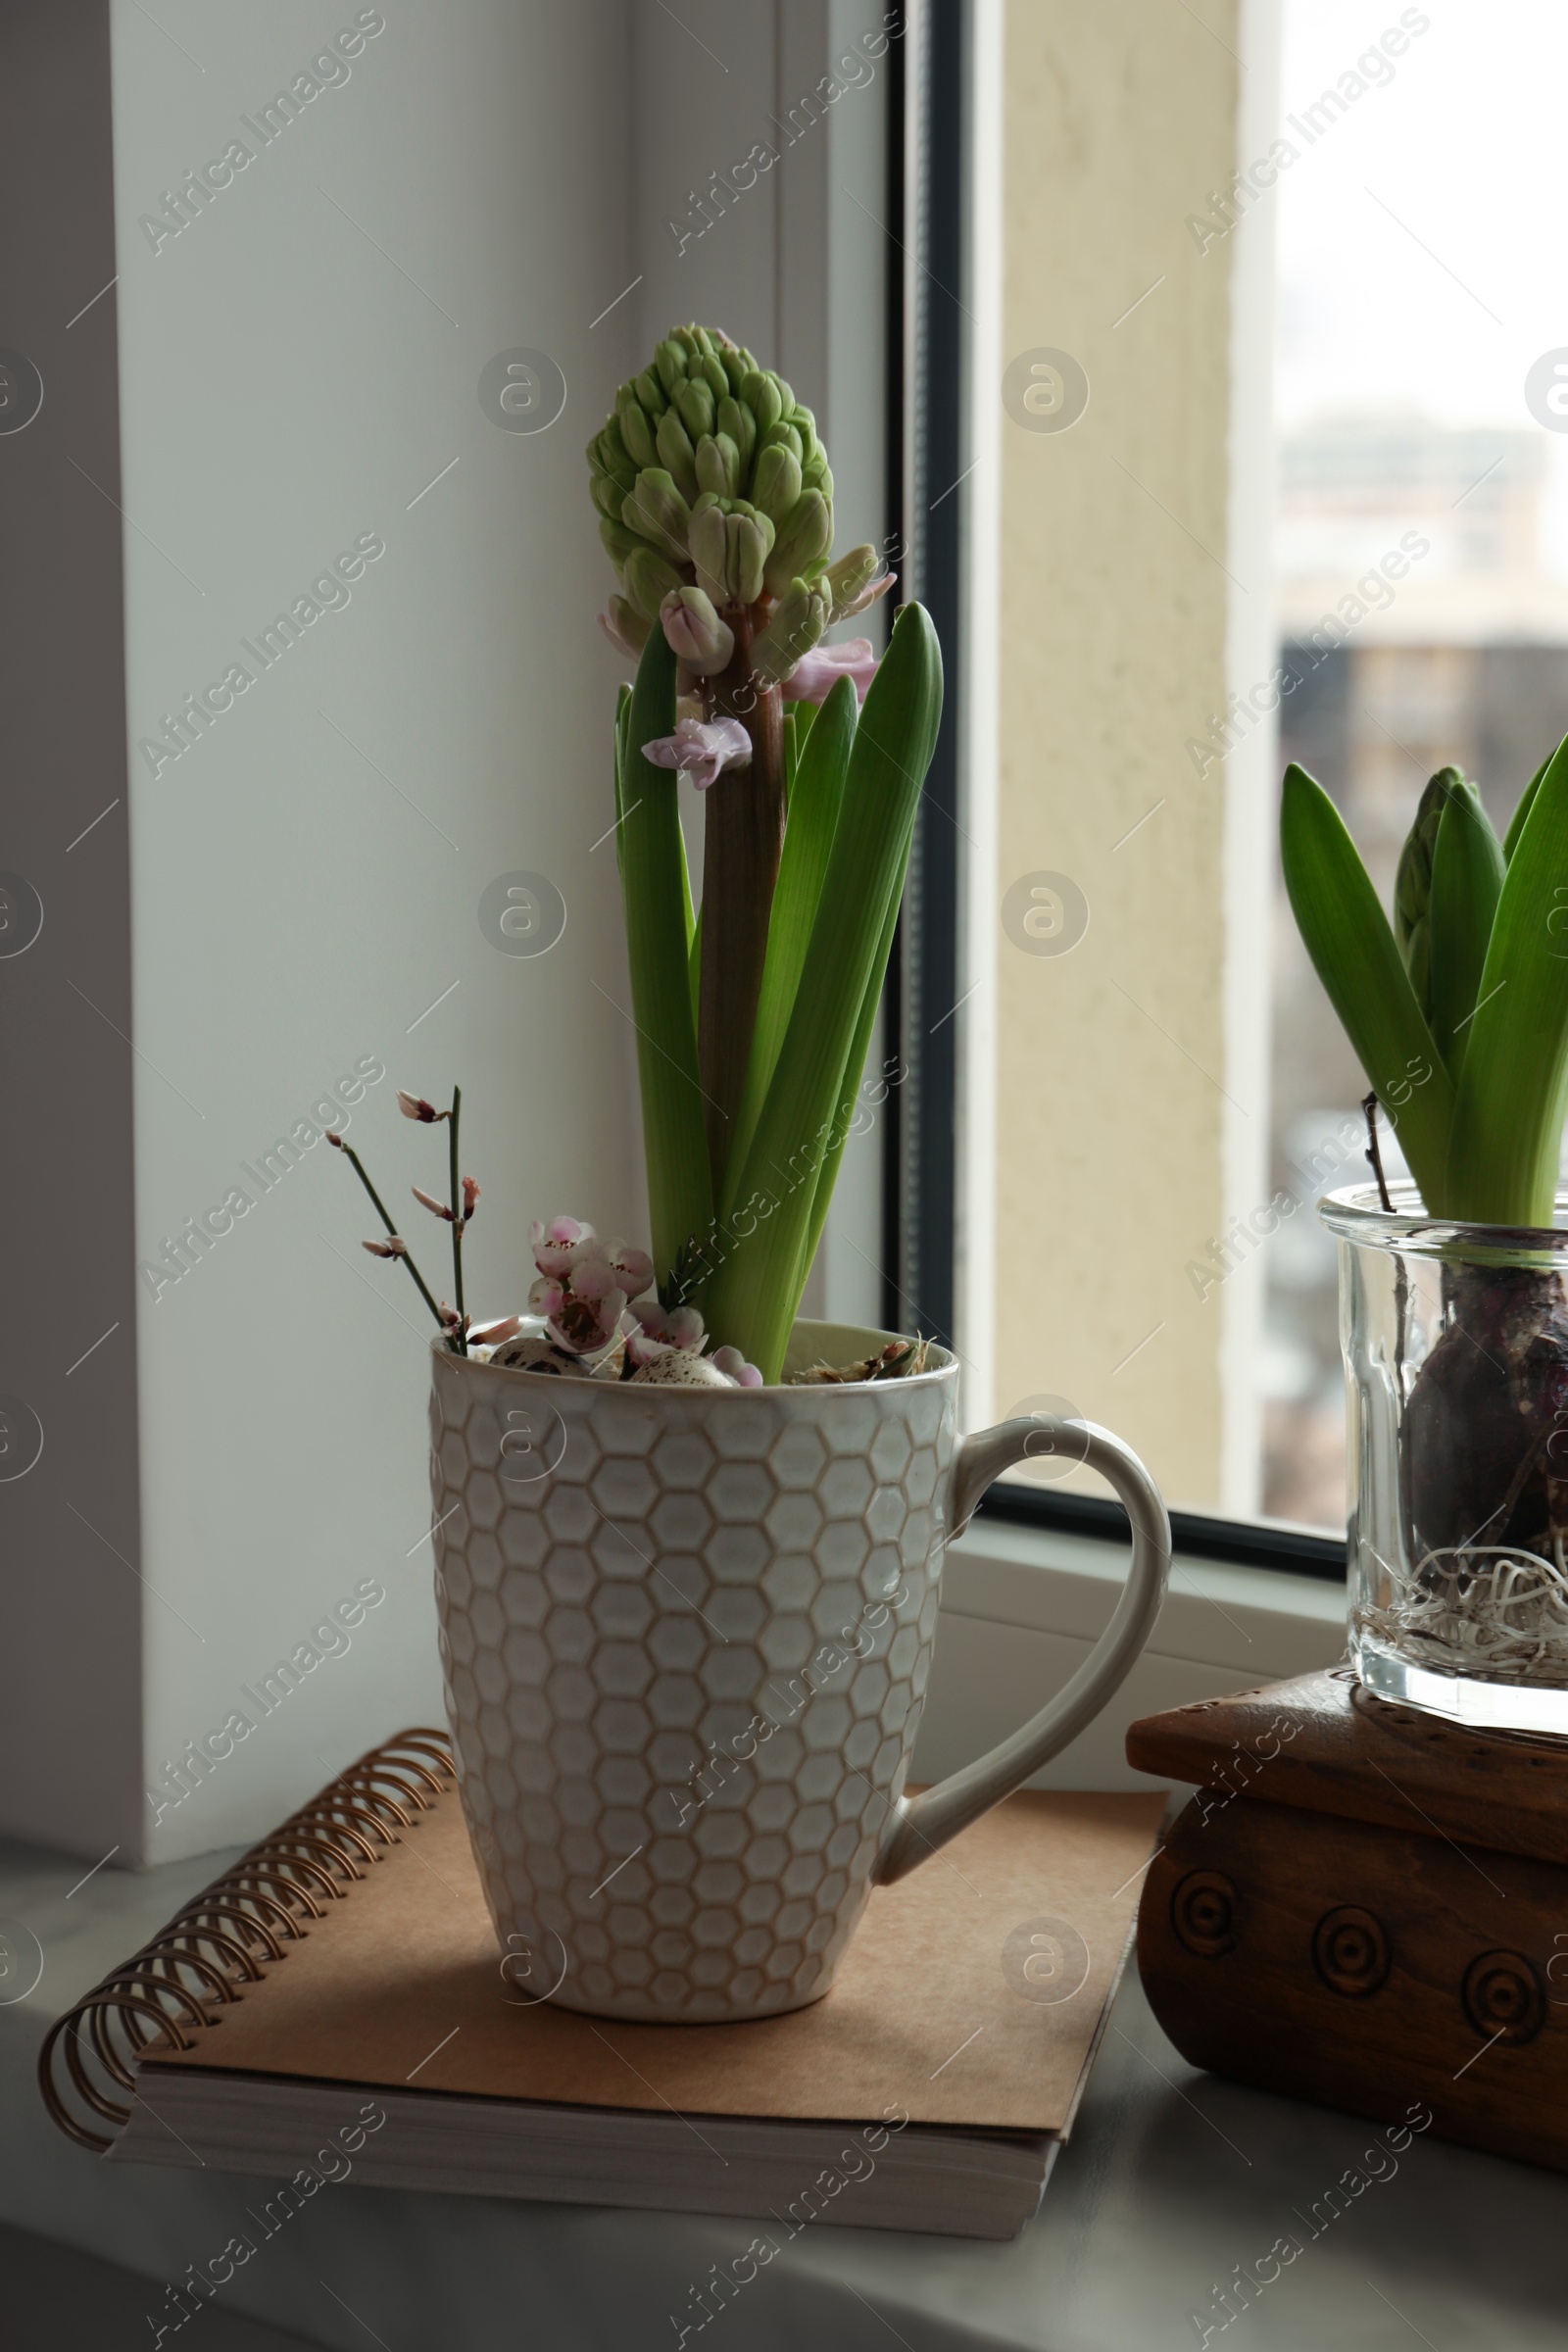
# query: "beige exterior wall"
{"type": "Point", "coordinates": [1130, 1111]}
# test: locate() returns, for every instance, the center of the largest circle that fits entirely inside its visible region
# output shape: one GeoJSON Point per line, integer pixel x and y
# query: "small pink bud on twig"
{"type": "Point", "coordinates": [414, 1107]}
{"type": "Point", "coordinates": [493, 1334]}
{"type": "Point", "coordinates": [334, 1139]}
{"type": "Point", "coordinates": [470, 1193]}
{"type": "Point", "coordinates": [393, 1247]}
{"type": "Point", "coordinates": [437, 1209]}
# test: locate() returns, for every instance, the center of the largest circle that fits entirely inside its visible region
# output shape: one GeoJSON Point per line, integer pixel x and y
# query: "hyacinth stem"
{"type": "Point", "coordinates": [457, 1221]}
{"type": "Point", "coordinates": [406, 1260]}
{"type": "Point", "coordinates": [742, 842]}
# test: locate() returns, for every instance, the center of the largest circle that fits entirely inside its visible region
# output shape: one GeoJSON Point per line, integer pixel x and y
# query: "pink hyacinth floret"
{"type": "Point", "coordinates": [731, 1363]}
{"type": "Point", "coordinates": [701, 749]}
{"type": "Point", "coordinates": [819, 671]}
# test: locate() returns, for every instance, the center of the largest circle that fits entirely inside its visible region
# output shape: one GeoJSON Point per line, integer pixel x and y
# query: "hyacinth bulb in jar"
{"type": "Point", "coordinates": [1455, 1284]}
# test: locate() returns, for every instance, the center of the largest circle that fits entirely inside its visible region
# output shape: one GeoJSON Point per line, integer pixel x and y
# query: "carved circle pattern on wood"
{"type": "Point", "coordinates": [1350, 1951]}
{"type": "Point", "coordinates": [1503, 1997]}
{"type": "Point", "coordinates": [1202, 1912]}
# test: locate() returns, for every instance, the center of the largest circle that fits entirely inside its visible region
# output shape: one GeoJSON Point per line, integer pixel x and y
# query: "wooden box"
{"type": "Point", "coordinates": [1366, 1907]}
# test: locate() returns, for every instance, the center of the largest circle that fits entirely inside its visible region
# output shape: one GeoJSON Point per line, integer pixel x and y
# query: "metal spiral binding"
{"type": "Point", "coordinates": [227, 1936]}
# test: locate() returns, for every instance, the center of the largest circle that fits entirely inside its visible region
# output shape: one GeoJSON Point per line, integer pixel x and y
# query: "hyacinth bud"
{"type": "Point", "coordinates": [729, 543]}
{"type": "Point", "coordinates": [625, 626]}
{"type": "Point", "coordinates": [608, 496]}
{"type": "Point", "coordinates": [694, 633]}
{"type": "Point", "coordinates": [818, 474]}
{"type": "Point", "coordinates": [697, 405]}
{"type": "Point", "coordinates": [798, 618]}
{"type": "Point", "coordinates": [803, 540]}
{"type": "Point", "coordinates": [1412, 885]}
{"type": "Point", "coordinates": [609, 452]}
{"type": "Point", "coordinates": [658, 511]}
{"type": "Point", "coordinates": [670, 360]}
{"type": "Point", "coordinates": [760, 393]}
{"type": "Point", "coordinates": [652, 397]}
{"type": "Point", "coordinates": [846, 578]}
{"type": "Point", "coordinates": [649, 579]}
{"type": "Point", "coordinates": [676, 454]}
{"type": "Point", "coordinates": [636, 429]}
{"type": "Point", "coordinates": [776, 482]}
{"type": "Point", "coordinates": [735, 418]}
{"type": "Point", "coordinates": [782, 436]}
{"type": "Point", "coordinates": [718, 465]}
{"type": "Point", "coordinates": [854, 581]}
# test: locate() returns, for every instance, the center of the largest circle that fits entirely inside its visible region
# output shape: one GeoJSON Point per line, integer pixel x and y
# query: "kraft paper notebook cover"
{"type": "Point", "coordinates": [938, 2077]}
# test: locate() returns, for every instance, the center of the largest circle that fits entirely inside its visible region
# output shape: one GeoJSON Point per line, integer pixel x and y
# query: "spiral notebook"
{"type": "Point", "coordinates": [334, 2007]}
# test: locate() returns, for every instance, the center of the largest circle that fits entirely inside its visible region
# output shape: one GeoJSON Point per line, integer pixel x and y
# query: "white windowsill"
{"type": "Point", "coordinates": [1022, 1607]}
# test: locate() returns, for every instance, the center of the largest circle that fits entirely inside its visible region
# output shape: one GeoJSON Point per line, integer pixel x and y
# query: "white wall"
{"type": "Point", "coordinates": [290, 380]}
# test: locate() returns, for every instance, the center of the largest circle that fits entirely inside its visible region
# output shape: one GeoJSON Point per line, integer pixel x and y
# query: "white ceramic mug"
{"type": "Point", "coordinates": [687, 1634]}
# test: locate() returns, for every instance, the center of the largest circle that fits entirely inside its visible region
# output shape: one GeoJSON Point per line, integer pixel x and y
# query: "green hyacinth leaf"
{"type": "Point", "coordinates": [1513, 1091]}
{"type": "Point", "coordinates": [1516, 823]}
{"type": "Point", "coordinates": [817, 791]}
{"type": "Point", "coordinates": [752, 1299]}
{"type": "Point", "coordinates": [1467, 871]}
{"type": "Point", "coordinates": [1347, 936]}
{"type": "Point", "coordinates": [657, 896]}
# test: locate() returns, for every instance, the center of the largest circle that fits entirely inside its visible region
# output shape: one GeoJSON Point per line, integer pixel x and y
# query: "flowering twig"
{"type": "Point", "coordinates": [458, 1221]}
{"type": "Point", "coordinates": [402, 1251]}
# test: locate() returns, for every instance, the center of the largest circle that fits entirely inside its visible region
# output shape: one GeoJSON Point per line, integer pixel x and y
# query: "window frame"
{"type": "Point", "coordinates": [931, 159]}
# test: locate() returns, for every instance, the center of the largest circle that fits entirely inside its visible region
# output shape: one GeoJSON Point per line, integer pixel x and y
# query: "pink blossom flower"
{"type": "Point", "coordinates": [470, 1194]}
{"type": "Point", "coordinates": [414, 1107]}
{"type": "Point", "coordinates": [820, 670]}
{"type": "Point", "coordinates": [437, 1209]}
{"type": "Point", "coordinates": [634, 1266]}
{"type": "Point", "coordinates": [702, 750]}
{"type": "Point", "coordinates": [662, 1332]}
{"type": "Point", "coordinates": [587, 1319]}
{"type": "Point", "coordinates": [393, 1247]}
{"type": "Point", "coordinates": [558, 1245]}
{"type": "Point", "coordinates": [730, 1361]}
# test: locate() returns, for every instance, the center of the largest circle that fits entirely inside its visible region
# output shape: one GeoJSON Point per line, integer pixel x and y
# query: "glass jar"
{"type": "Point", "coordinates": [1455, 1340]}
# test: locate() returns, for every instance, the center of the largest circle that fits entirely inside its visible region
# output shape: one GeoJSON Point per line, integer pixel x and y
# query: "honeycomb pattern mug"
{"type": "Point", "coordinates": [686, 1636]}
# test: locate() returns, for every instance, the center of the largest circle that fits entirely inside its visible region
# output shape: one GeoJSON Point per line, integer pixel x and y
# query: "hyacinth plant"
{"type": "Point", "coordinates": [755, 1012]}
{"type": "Point", "coordinates": [1458, 1011]}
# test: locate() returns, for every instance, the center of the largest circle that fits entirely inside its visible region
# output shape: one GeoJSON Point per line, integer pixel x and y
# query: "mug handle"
{"type": "Point", "coordinates": [921, 1824]}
